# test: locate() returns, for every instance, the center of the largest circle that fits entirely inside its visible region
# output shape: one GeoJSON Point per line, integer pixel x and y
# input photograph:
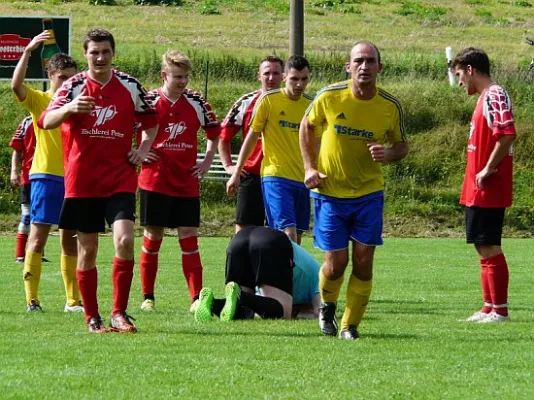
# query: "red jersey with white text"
{"type": "Point", "coordinates": [23, 141]}
{"type": "Point", "coordinates": [176, 143]}
{"type": "Point", "coordinates": [96, 144]}
{"type": "Point", "coordinates": [492, 119]}
{"type": "Point", "coordinates": [239, 118]}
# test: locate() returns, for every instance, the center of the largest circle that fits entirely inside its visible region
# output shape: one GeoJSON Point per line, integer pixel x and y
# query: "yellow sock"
{"type": "Point", "coordinates": [68, 270]}
{"type": "Point", "coordinates": [358, 293]}
{"type": "Point", "coordinates": [32, 275]}
{"type": "Point", "coordinates": [329, 289]}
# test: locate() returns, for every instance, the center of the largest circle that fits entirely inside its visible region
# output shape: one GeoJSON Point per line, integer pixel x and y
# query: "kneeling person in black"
{"type": "Point", "coordinates": [284, 273]}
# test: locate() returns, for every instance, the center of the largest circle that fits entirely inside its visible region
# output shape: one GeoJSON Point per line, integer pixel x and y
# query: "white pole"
{"type": "Point", "coordinates": [448, 53]}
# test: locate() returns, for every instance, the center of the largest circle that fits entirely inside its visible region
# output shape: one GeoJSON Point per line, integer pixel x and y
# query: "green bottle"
{"type": "Point", "coordinates": [50, 46]}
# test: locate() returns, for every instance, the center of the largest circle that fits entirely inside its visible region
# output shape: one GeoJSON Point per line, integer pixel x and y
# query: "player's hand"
{"type": "Point", "coordinates": [135, 157]}
{"type": "Point", "coordinates": [483, 175]}
{"type": "Point", "coordinates": [378, 152]}
{"type": "Point", "coordinates": [82, 104]}
{"type": "Point", "coordinates": [151, 157]}
{"type": "Point", "coordinates": [15, 178]}
{"type": "Point", "coordinates": [230, 169]}
{"type": "Point", "coordinates": [232, 184]}
{"type": "Point", "coordinates": [312, 178]}
{"type": "Point", "coordinates": [37, 40]}
{"type": "Point", "coordinates": [200, 169]}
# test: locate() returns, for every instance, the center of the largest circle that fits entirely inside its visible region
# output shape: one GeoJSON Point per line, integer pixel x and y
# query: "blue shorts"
{"type": "Point", "coordinates": [46, 201]}
{"type": "Point", "coordinates": [338, 221]}
{"type": "Point", "coordinates": [287, 203]}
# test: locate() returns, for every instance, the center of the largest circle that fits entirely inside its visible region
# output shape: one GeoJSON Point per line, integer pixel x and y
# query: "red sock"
{"type": "Point", "coordinates": [88, 284]}
{"type": "Point", "coordinates": [192, 266]}
{"type": "Point", "coordinates": [148, 264]}
{"type": "Point", "coordinates": [122, 276]}
{"type": "Point", "coordinates": [486, 292]}
{"type": "Point", "coordinates": [20, 247]}
{"type": "Point", "coordinates": [498, 278]}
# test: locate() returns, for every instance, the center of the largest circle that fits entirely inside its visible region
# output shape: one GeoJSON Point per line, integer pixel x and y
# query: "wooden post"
{"type": "Point", "coordinates": [296, 28]}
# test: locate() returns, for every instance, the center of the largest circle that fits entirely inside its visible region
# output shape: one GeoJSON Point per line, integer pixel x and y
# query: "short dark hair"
{"type": "Point", "coordinates": [297, 62]}
{"type": "Point", "coordinates": [272, 59]}
{"type": "Point", "coordinates": [61, 61]}
{"type": "Point", "coordinates": [476, 58]}
{"type": "Point", "coordinates": [369, 43]}
{"type": "Point", "coordinates": [99, 35]}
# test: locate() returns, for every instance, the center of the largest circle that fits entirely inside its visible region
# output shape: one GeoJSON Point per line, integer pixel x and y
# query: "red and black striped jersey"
{"type": "Point", "coordinates": [177, 144]}
{"type": "Point", "coordinates": [23, 141]}
{"type": "Point", "coordinates": [96, 144]}
{"type": "Point", "coordinates": [238, 118]}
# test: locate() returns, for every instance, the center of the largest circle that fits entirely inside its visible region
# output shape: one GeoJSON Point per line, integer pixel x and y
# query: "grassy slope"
{"type": "Point", "coordinates": [423, 190]}
{"type": "Point", "coordinates": [263, 26]}
{"type": "Point", "coordinates": [412, 343]}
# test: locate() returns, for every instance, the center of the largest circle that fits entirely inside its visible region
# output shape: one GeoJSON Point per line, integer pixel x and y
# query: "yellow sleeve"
{"type": "Point", "coordinates": [260, 115]}
{"type": "Point", "coordinates": [35, 101]}
{"type": "Point", "coordinates": [316, 114]}
{"type": "Point", "coordinates": [397, 133]}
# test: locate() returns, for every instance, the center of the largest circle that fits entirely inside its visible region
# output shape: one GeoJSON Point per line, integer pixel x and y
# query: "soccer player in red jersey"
{"type": "Point", "coordinates": [169, 179]}
{"type": "Point", "coordinates": [97, 110]}
{"type": "Point", "coordinates": [487, 187]}
{"type": "Point", "coordinates": [250, 210]}
{"type": "Point", "coordinates": [23, 145]}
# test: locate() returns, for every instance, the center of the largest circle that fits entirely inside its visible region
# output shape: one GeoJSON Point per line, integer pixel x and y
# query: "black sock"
{"type": "Point", "coordinates": [149, 296]}
{"type": "Point", "coordinates": [265, 307]}
{"type": "Point", "coordinates": [217, 306]}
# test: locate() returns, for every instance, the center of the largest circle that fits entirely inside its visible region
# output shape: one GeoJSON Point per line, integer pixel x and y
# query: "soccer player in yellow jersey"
{"type": "Point", "coordinates": [361, 127]}
{"type": "Point", "coordinates": [277, 117]}
{"type": "Point", "coordinates": [46, 177]}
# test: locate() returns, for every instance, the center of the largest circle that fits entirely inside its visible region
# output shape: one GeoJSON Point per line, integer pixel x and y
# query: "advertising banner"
{"type": "Point", "coordinates": [17, 32]}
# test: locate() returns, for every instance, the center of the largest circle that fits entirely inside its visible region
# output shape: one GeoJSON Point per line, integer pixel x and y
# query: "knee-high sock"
{"type": "Point", "coordinates": [265, 307]}
{"type": "Point", "coordinates": [122, 275]}
{"type": "Point", "coordinates": [498, 278]}
{"type": "Point", "coordinates": [358, 293]}
{"type": "Point", "coordinates": [68, 270]}
{"type": "Point", "coordinates": [191, 265]}
{"type": "Point", "coordinates": [148, 265]}
{"type": "Point", "coordinates": [88, 283]}
{"type": "Point", "coordinates": [20, 244]}
{"type": "Point", "coordinates": [32, 275]}
{"type": "Point", "coordinates": [329, 289]}
{"type": "Point", "coordinates": [486, 292]}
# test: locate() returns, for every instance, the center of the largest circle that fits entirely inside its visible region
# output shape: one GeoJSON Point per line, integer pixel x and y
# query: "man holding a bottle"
{"type": "Point", "coordinates": [46, 177]}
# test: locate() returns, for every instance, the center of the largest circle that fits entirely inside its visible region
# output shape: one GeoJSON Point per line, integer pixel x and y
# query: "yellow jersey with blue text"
{"type": "Point", "coordinates": [278, 118]}
{"type": "Point", "coordinates": [48, 159]}
{"type": "Point", "coordinates": [346, 125]}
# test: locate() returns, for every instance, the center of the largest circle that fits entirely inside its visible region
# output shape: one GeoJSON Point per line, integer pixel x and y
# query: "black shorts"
{"type": "Point", "coordinates": [249, 208]}
{"type": "Point", "coordinates": [159, 209]}
{"type": "Point", "coordinates": [484, 225]}
{"type": "Point", "coordinates": [25, 193]}
{"type": "Point", "coordinates": [90, 214]}
{"type": "Point", "coordinates": [259, 255]}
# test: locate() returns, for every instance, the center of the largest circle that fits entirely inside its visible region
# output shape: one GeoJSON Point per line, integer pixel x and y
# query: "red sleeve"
{"type": "Point", "coordinates": [499, 112]}
{"type": "Point", "coordinates": [17, 141]}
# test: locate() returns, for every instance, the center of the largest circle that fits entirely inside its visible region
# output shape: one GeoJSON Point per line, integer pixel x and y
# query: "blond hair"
{"type": "Point", "coordinates": [174, 57]}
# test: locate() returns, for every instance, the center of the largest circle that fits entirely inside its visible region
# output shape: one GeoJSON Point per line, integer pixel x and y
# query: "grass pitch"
{"type": "Point", "coordinates": [412, 344]}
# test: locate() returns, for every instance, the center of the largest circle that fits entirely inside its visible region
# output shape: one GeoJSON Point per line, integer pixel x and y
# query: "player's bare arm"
{"type": "Point", "coordinates": [16, 161]}
{"type": "Point", "coordinates": [309, 146]}
{"type": "Point", "coordinates": [17, 81]}
{"type": "Point", "coordinates": [200, 169]}
{"type": "Point", "coordinates": [137, 156]}
{"type": "Point", "coordinates": [244, 154]}
{"type": "Point", "coordinates": [386, 155]}
{"type": "Point", "coordinates": [82, 104]}
{"type": "Point", "coordinates": [502, 147]}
